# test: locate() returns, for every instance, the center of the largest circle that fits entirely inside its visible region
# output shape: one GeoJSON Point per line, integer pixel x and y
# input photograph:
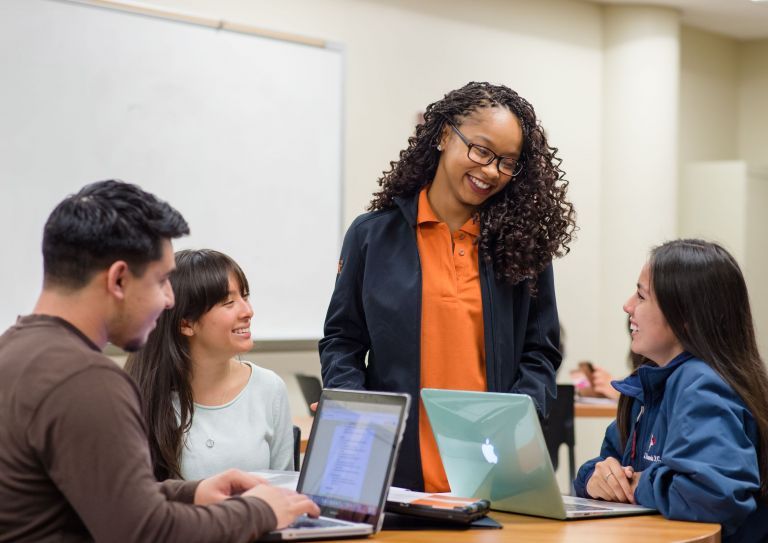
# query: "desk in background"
{"type": "Point", "coordinates": [595, 409]}
{"type": "Point", "coordinates": [305, 425]}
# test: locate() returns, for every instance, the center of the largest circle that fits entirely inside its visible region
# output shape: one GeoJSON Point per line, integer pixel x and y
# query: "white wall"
{"type": "Point", "coordinates": [756, 261]}
{"type": "Point", "coordinates": [713, 205]}
{"type": "Point", "coordinates": [403, 54]}
{"type": "Point", "coordinates": [723, 117]}
{"type": "Point", "coordinates": [725, 201]}
{"type": "Point", "coordinates": [753, 149]}
{"type": "Point", "coordinates": [639, 157]}
{"type": "Point", "coordinates": [709, 96]}
{"type": "Point", "coordinates": [753, 102]}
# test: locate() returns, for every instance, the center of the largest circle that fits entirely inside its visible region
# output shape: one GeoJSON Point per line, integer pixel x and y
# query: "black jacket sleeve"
{"type": "Point", "coordinates": [540, 357]}
{"type": "Point", "coordinates": [346, 341]}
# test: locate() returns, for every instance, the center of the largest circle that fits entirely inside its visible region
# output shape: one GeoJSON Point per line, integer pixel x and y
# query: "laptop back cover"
{"type": "Point", "coordinates": [492, 447]}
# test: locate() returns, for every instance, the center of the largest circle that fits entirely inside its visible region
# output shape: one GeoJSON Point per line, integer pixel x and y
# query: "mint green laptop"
{"type": "Point", "coordinates": [492, 448]}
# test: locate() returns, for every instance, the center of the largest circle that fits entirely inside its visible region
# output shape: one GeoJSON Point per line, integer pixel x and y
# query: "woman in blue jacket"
{"type": "Point", "coordinates": [691, 435]}
{"type": "Point", "coordinates": [477, 181]}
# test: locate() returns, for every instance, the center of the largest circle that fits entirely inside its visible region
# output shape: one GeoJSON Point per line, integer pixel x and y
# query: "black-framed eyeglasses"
{"type": "Point", "coordinates": [484, 156]}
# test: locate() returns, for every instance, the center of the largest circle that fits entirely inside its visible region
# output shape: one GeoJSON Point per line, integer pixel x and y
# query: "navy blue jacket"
{"type": "Point", "coordinates": [375, 310]}
{"type": "Point", "coordinates": [696, 447]}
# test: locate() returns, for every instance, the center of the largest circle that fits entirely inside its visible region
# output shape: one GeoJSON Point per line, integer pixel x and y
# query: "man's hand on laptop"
{"type": "Point", "coordinates": [286, 504]}
{"type": "Point", "coordinates": [229, 483]}
{"type": "Point", "coordinates": [613, 482]}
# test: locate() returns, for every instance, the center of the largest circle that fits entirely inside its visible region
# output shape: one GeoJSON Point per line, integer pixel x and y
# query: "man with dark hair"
{"type": "Point", "coordinates": [74, 459]}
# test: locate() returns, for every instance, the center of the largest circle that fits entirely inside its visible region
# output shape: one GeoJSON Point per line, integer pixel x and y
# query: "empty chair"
{"type": "Point", "coordinates": [311, 388]}
{"type": "Point", "coordinates": [296, 448]}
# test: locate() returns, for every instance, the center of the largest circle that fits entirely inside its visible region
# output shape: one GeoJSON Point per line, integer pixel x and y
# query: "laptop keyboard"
{"type": "Point", "coordinates": [308, 522]}
{"type": "Point", "coordinates": [581, 507]}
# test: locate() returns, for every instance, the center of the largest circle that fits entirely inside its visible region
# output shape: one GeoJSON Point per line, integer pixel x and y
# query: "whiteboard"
{"type": "Point", "coordinates": [242, 134]}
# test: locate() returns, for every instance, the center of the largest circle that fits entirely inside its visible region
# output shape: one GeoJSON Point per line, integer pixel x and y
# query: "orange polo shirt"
{"type": "Point", "coordinates": [452, 339]}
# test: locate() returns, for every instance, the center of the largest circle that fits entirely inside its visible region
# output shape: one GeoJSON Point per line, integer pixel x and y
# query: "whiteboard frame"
{"type": "Point", "coordinates": [199, 20]}
{"type": "Point", "coordinates": [147, 10]}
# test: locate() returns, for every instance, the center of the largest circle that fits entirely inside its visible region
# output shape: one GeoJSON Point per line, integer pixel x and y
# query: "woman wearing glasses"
{"type": "Point", "coordinates": [447, 282]}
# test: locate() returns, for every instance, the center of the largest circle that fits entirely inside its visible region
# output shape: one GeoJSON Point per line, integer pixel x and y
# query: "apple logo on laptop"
{"type": "Point", "coordinates": [489, 453]}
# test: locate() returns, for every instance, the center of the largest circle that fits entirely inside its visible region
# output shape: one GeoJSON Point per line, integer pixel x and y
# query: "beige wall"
{"type": "Point", "coordinates": [715, 196]}
{"type": "Point", "coordinates": [403, 54]}
{"type": "Point", "coordinates": [639, 157]}
{"type": "Point", "coordinates": [756, 261]}
{"type": "Point", "coordinates": [725, 201]}
{"type": "Point", "coordinates": [723, 118]}
{"type": "Point", "coordinates": [709, 96]}
{"type": "Point", "coordinates": [753, 102]}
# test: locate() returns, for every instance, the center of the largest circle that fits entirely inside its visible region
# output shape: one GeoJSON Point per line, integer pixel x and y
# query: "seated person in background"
{"type": "Point", "coordinates": [74, 455]}
{"type": "Point", "coordinates": [594, 381]}
{"type": "Point", "coordinates": [600, 379]}
{"type": "Point", "coordinates": [205, 409]}
{"type": "Point", "coordinates": [691, 434]}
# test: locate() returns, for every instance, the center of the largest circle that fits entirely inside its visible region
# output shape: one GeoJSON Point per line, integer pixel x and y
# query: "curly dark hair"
{"type": "Point", "coordinates": [528, 223]}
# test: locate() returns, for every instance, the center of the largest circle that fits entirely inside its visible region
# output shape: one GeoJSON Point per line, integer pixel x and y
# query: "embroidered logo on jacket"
{"type": "Point", "coordinates": [651, 457]}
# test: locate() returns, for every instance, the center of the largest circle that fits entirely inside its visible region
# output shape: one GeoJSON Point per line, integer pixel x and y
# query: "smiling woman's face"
{"type": "Point", "coordinates": [465, 182]}
{"type": "Point", "coordinates": [651, 335]}
{"type": "Point", "coordinates": [225, 330]}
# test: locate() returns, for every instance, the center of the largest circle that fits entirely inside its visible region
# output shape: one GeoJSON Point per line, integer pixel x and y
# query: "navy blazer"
{"type": "Point", "coordinates": [375, 310]}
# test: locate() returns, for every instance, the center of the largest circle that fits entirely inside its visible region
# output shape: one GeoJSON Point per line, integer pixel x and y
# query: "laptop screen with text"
{"type": "Point", "coordinates": [350, 456]}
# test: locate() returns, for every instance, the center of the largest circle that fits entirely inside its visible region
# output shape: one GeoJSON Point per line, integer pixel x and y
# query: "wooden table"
{"type": "Point", "coordinates": [524, 529]}
{"type": "Point", "coordinates": [305, 425]}
{"type": "Point", "coordinates": [595, 410]}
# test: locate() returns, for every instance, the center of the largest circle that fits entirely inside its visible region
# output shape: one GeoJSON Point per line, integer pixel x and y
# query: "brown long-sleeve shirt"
{"type": "Point", "coordinates": [74, 459]}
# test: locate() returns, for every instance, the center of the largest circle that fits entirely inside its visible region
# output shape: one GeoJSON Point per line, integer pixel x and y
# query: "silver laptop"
{"type": "Point", "coordinates": [349, 463]}
{"type": "Point", "coordinates": [492, 447]}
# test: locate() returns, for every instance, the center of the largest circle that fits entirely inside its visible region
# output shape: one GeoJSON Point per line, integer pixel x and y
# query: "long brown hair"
{"type": "Point", "coordinates": [702, 294]}
{"type": "Point", "coordinates": [162, 367]}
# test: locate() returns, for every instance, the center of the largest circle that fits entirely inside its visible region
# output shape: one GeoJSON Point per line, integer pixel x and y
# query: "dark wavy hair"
{"type": "Point", "coordinates": [104, 222]}
{"type": "Point", "coordinates": [163, 367]}
{"type": "Point", "coordinates": [528, 223]}
{"type": "Point", "coordinates": [703, 297]}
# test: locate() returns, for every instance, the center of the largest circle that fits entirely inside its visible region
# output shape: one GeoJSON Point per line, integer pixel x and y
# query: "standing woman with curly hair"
{"type": "Point", "coordinates": [447, 282]}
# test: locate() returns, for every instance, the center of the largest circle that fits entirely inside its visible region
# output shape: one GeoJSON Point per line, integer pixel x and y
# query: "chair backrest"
{"type": "Point", "coordinates": [296, 448]}
{"type": "Point", "coordinates": [311, 388]}
{"type": "Point", "coordinates": [559, 427]}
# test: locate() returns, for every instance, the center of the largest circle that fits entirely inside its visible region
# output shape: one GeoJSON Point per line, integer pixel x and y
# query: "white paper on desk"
{"type": "Point", "coordinates": [290, 479]}
{"type": "Point", "coordinates": [589, 400]}
{"type": "Point", "coordinates": [279, 478]}
{"type": "Point", "coordinates": [442, 500]}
